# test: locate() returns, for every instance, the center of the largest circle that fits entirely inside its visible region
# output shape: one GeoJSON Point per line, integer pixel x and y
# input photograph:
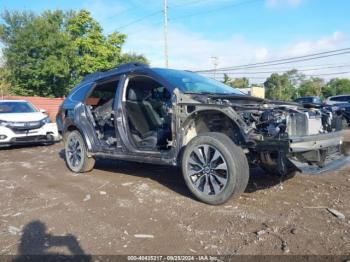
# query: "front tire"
{"type": "Point", "coordinates": [77, 158]}
{"type": "Point", "coordinates": [214, 168]}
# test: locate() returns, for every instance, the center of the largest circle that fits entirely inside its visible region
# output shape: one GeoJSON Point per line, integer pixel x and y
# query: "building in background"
{"type": "Point", "coordinates": [257, 91]}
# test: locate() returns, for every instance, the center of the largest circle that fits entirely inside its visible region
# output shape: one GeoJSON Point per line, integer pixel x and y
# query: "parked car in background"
{"type": "Point", "coordinates": [22, 123]}
{"type": "Point", "coordinates": [212, 131]}
{"type": "Point", "coordinates": [309, 100]}
{"type": "Point", "coordinates": [332, 100]}
{"type": "Point", "coordinates": [342, 109]}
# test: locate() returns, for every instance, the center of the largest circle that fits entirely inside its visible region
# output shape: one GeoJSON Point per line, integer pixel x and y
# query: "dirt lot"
{"type": "Point", "coordinates": [128, 208]}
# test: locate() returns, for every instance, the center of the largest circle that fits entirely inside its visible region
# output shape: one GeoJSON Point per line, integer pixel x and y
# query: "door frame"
{"type": "Point", "coordinates": [122, 121]}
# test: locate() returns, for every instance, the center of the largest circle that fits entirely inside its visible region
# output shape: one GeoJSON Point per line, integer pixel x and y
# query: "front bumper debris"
{"type": "Point", "coordinates": [332, 163]}
{"type": "Point", "coordinates": [315, 142]}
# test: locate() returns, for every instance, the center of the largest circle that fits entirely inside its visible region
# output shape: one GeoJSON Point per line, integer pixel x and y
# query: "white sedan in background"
{"type": "Point", "coordinates": [21, 123]}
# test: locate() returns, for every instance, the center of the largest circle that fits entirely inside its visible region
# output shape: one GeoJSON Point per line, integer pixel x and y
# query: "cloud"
{"type": "Point", "coordinates": [313, 46]}
{"type": "Point", "coordinates": [278, 3]}
{"type": "Point", "coordinates": [193, 51]}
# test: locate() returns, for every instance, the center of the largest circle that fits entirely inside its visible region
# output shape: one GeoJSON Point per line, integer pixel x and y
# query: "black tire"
{"type": "Point", "coordinates": [235, 176]}
{"type": "Point", "coordinates": [81, 164]}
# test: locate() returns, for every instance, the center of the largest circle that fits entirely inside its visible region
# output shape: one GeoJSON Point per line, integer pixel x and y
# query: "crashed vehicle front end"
{"type": "Point", "coordinates": [283, 137]}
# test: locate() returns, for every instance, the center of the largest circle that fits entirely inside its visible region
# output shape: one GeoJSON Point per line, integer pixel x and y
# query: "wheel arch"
{"type": "Point", "coordinates": [211, 120]}
{"type": "Point", "coordinates": [72, 127]}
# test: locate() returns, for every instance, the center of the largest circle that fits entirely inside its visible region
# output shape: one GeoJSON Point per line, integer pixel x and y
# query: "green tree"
{"type": "Point", "coordinates": [227, 79]}
{"type": "Point", "coordinates": [4, 85]}
{"type": "Point", "coordinates": [47, 54]}
{"type": "Point", "coordinates": [240, 82]}
{"type": "Point", "coordinates": [336, 86]}
{"type": "Point", "coordinates": [37, 53]}
{"type": "Point", "coordinates": [280, 87]}
{"type": "Point", "coordinates": [132, 57]}
{"type": "Point", "coordinates": [311, 87]}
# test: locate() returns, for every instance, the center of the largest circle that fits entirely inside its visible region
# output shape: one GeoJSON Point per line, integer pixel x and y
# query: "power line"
{"type": "Point", "coordinates": [139, 20]}
{"type": "Point", "coordinates": [329, 74]}
{"type": "Point", "coordinates": [176, 18]}
{"type": "Point", "coordinates": [313, 75]}
{"type": "Point", "coordinates": [285, 60]}
{"type": "Point", "coordinates": [187, 4]}
{"type": "Point", "coordinates": [127, 11]}
{"type": "Point", "coordinates": [215, 10]}
{"type": "Point", "coordinates": [279, 71]}
{"type": "Point", "coordinates": [272, 67]}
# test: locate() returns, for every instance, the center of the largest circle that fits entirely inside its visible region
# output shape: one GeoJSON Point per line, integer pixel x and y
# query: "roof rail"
{"type": "Point", "coordinates": [120, 68]}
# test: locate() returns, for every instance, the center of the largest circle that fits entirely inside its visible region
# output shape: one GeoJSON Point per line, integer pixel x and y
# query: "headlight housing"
{"type": "Point", "coordinates": [46, 120]}
{"type": "Point", "coordinates": [3, 123]}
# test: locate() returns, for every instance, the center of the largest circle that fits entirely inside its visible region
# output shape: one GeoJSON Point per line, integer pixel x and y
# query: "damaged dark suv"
{"type": "Point", "coordinates": [212, 131]}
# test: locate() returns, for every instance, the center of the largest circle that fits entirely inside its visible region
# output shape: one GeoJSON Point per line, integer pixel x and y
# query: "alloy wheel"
{"type": "Point", "coordinates": [207, 169]}
{"type": "Point", "coordinates": [74, 151]}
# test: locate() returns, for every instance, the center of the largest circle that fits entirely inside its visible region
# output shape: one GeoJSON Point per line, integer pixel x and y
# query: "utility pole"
{"type": "Point", "coordinates": [166, 57]}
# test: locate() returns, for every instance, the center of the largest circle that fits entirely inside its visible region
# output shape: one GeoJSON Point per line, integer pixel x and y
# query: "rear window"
{"type": "Point", "coordinates": [79, 94]}
{"type": "Point", "coordinates": [16, 107]}
{"type": "Point", "coordinates": [102, 93]}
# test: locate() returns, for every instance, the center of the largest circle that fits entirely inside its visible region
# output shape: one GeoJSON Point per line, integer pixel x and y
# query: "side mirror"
{"type": "Point", "coordinates": [43, 111]}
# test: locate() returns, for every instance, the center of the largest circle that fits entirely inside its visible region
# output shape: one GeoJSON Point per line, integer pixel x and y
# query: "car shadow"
{"type": "Point", "coordinates": [171, 176]}
{"type": "Point", "coordinates": [35, 245]}
{"type": "Point", "coordinates": [261, 180]}
{"type": "Point", "coordinates": [35, 145]}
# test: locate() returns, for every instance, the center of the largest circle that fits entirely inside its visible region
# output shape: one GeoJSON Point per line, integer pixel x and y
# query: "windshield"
{"type": "Point", "coordinates": [16, 107]}
{"type": "Point", "coordinates": [189, 82]}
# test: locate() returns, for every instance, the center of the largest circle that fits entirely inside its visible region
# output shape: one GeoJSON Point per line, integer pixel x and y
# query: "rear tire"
{"type": "Point", "coordinates": [214, 168]}
{"type": "Point", "coordinates": [77, 158]}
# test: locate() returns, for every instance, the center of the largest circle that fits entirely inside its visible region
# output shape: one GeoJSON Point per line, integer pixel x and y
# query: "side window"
{"type": "Point", "coordinates": [339, 98]}
{"type": "Point", "coordinates": [102, 93]}
{"type": "Point", "coordinates": [345, 98]}
{"type": "Point", "coordinates": [80, 93]}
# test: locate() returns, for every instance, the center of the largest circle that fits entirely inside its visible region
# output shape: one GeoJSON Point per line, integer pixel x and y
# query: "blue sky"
{"type": "Point", "coordinates": [234, 31]}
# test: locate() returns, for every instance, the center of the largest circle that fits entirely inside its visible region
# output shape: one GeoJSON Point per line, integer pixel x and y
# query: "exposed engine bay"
{"type": "Point", "coordinates": [278, 120]}
{"type": "Point", "coordinates": [292, 123]}
{"type": "Point", "coordinates": [285, 136]}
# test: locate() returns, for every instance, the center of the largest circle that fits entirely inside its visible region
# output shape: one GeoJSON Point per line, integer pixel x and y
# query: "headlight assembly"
{"type": "Point", "coordinates": [3, 123]}
{"type": "Point", "coordinates": [46, 120]}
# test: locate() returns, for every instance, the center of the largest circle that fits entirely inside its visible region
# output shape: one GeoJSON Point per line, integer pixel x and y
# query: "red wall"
{"type": "Point", "coordinates": [51, 105]}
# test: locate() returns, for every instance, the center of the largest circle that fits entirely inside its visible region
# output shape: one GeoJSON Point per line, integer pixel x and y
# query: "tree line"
{"type": "Point", "coordinates": [49, 53]}
{"type": "Point", "coordinates": [293, 84]}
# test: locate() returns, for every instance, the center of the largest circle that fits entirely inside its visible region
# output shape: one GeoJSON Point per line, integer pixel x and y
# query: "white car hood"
{"type": "Point", "coordinates": [22, 117]}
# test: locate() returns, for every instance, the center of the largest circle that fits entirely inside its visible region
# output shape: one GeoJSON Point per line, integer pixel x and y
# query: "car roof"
{"type": "Point", "coordinates": [123, 68]}
{"type": "Point", "coordinates": [339, 96]}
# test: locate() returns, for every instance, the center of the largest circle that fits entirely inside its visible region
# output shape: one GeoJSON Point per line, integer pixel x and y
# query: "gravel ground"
{"type": "Point", "coordinates": [129, 208]}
